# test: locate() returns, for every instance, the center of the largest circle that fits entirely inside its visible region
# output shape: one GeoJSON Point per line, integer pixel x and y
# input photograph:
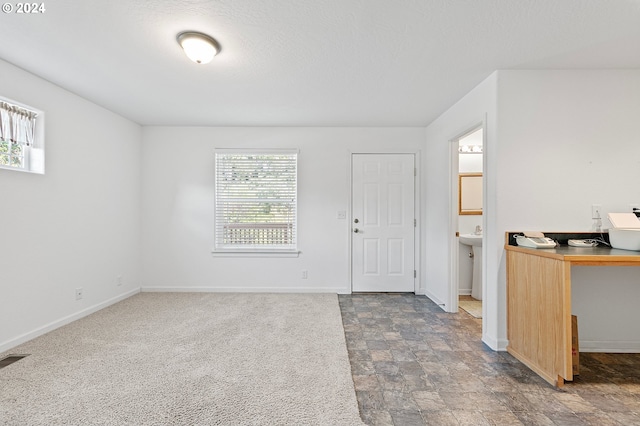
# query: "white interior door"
{"type": "Point", "coordinates": [383, 222]}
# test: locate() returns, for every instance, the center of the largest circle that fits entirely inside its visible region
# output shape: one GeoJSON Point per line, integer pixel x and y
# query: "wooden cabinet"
{"type": "Point", "coordinates": [539, 303]}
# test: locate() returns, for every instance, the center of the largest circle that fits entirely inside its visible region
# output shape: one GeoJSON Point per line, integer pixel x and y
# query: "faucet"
{"type": "Point", "coordinates": [478, 230]}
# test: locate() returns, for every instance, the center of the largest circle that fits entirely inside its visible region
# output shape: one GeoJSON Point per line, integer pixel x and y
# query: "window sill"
{"type": "Point", "coordinates": [255, 253]}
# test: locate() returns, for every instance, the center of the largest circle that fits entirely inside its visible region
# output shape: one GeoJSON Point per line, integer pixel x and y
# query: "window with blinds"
{"type": "Point", "coordinates": [256, 196]}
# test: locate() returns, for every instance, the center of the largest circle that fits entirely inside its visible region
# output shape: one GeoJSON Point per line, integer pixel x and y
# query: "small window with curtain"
{"type": "Point", "coordinates": [21, 137]}
{"type": "Point", "coordinates": [256, 201]}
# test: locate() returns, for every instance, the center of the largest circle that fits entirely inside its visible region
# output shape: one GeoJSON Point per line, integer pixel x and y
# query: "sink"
{"type": "Point", "coordinates": [473, 240]}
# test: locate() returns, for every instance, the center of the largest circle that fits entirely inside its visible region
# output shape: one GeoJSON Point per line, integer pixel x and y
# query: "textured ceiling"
{"type": "Point", "coordinates": [309, 63]}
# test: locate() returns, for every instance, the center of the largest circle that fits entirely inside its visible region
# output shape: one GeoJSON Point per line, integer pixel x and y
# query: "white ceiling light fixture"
{"type": "Point", "coordinates": [198, 47]}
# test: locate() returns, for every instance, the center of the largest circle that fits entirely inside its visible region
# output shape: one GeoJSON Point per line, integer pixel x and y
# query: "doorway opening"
{"type": "Point", "coordinates": [467, 220]}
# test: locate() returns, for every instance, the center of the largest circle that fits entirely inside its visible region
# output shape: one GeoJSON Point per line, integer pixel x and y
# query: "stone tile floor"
{"type": "Point", "coordinates": [414, 364]}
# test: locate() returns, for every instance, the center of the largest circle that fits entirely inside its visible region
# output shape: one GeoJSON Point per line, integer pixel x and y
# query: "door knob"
{"type": "Point", "coordinates": [356, 230]}
{"type": "Point", "coordinates": [355, 221]}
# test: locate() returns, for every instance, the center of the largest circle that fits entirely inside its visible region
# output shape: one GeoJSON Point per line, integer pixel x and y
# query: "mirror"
{"type": "Point", "coordinates": [470, 193]}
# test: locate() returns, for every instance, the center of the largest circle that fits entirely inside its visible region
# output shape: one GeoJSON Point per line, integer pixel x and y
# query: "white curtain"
{"type": "Point", "coordinates": [17, 125]}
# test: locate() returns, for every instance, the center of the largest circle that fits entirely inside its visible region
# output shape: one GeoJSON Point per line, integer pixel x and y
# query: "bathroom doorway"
{"type": "Point", "coordinates": [467, 152]}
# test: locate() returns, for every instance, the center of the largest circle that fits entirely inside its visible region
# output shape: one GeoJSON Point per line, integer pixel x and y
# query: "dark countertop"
{"type": "Point", "coordinates": [577, 255]}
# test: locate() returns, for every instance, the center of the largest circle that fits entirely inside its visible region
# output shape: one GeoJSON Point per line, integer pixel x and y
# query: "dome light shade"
{"type": "Point", "coordinates": [198, 47]}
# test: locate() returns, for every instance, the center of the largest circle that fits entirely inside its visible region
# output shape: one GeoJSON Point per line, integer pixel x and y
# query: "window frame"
{"type": "Point", "coordinates": [254, 251]}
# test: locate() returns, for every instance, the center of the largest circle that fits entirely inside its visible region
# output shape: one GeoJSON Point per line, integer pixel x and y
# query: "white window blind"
{"type": "Point", "coordinates": [256, 196]}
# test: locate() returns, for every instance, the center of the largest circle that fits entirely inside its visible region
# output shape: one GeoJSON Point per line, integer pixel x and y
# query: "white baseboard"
{"type": "Point", "coordinates": [203, 289]}
{"type": "Point", "coordinates": [464, 292]}
{"type": "Point", "coordinates": [499, 345]}
{"type": "Point", "coordinates": [624, 347]}
{"type": "Point", "coordinates": [12, 343]}
{"type": "Point", "coordinates": [435, 300]}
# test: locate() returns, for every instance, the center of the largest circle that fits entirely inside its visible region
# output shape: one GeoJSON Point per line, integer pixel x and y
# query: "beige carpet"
{"type": "Point", "coordinates": [188, 359]}
{"type": "Point", "coordinates": [473, 307]}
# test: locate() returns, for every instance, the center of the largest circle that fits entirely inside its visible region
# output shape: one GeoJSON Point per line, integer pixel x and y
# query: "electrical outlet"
{"type": "Point", "coordinates": [596, 217]}
{"type": "Point", "coordinates": [79, 293]}
{"type": "Point", "coordinates": [119, 280]}
{"type": "Point", "coordinates": [305, 274]}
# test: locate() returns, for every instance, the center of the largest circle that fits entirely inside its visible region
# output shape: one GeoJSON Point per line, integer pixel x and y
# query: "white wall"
{"type": "Point", "coordinates": [75, 226]}
{"type": "Point", "coordinates": [566, 140]}
{"type": "Point", "coordinates": [178, 201]}
{"type": "Point", "coordinates": [470, 163]}
{"type": "Point", "coordinates": [440, 201]}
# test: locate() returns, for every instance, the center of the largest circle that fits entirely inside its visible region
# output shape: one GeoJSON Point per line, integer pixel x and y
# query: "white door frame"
{"type": "Point", "coordinates": [454, 250]}
{"type": "Point", "coordinates": [416, 202]}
